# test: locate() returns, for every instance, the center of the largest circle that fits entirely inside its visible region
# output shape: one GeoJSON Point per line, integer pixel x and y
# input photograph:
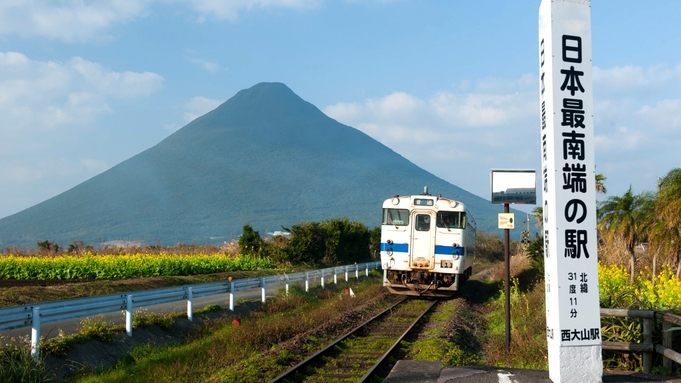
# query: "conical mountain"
{"type": "Point", "coordinates": [264, 157]}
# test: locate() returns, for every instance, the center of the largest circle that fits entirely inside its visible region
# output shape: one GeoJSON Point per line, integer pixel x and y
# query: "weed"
{"type": "Point", "coordinates": [210, 308]}
{"type": "Point", "coordinates": [17, 365]}
{"type": "Point", "coordinates": [144, 318]}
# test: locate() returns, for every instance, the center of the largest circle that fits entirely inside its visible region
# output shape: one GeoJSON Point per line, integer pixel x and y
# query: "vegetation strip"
{"type": "Point", "coordinates": [124, 266]}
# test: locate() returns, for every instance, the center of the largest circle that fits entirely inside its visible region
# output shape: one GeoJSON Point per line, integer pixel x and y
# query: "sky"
{"type": "Point", "coordinates": [450, 85]}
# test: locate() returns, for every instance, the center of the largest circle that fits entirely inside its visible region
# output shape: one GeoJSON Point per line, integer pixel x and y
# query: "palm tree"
{"type": "Point", "coordinates": [625, 217]}
{"type": "Point", "coordinates": [600, 183]}
{"type": "Point", "coordinates": [668, 211]}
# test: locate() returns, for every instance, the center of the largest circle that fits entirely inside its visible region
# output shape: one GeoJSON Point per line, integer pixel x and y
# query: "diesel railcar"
{"type": "Point", "coordinates": [427, 245]}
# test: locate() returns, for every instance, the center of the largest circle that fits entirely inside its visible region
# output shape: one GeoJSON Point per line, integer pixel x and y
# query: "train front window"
{"type": "Point", "coordinates": [422, 222]}
{"type": "Point", "coordinates": [397, 217]}
{"type": "Point", "coordinates": [449, 220]}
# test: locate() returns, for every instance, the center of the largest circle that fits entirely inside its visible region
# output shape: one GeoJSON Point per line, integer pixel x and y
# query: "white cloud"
{"type": "Point", "coordinates": [40, 95]}
{"type": "Point", "coordinates": [634, 80]}
{"type": "Point", "coordinates": [198, 106]}
{"type": "Point", "coordinates": [87, 20]}
{"type": "Point", "coordinates": [230, 10]}
{"type": "Point", "coordinates": [454, 133]}
{"type": "Point", "coordinates": [623, 138]}
{"type": "Point", "coordinates": [208, 65]}
{"type": "Point", "coordinates": [664, 117]}
{"type": "Point", "coordinates": [69, 20]}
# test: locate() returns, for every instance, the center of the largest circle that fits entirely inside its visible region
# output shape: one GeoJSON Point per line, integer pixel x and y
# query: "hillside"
{"type": "Point", "coordinates": [264, 157]}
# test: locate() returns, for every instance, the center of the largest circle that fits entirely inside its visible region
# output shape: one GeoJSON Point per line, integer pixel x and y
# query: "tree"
{"type": "Point", "coordinates": [600, 183]}
{"type": "Point", "coordinates": [250, 241]}
{"type": "Point", "coordinates": [307, 243]}
{"type": "Point", "coordinates": [345, 241]}
{"type": "Point", "coordinates": [667, 234]}
{"type": "Point", "coordinates": [625, 217]}
{"type": "Point", "coordinates": [48, 247]}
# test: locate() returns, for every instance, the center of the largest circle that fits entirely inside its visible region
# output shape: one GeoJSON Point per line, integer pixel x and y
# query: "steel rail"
{"type": "Point", "coordinates": [298, 367]}
{"type": "Point", "coordinates": [397, 342]}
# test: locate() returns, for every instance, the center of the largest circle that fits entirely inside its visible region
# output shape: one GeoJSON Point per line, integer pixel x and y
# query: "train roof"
{"type": "Point", "coordinates": [411, 201]}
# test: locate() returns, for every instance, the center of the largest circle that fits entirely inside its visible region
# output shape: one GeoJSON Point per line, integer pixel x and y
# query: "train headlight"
{"type": "Point", "coordinates": [453, 204]}
{"type": "Point", "coordinates": [396, 201]}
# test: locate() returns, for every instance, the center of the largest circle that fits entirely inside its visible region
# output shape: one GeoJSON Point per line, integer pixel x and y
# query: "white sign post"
{"type": "Point", "coordinates": [569, 197]}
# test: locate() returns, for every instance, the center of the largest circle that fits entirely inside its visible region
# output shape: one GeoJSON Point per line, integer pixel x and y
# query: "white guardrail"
{"type": "Point", "coordinates": [39, 313]}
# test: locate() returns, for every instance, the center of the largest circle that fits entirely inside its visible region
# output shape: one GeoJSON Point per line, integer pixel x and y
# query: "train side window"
{"type": "Point", "coordinates": [422, 222]}
{"type": "Point", "coordinates": [396, 217]}
{"type": "Point", "coordinates": [448, 219]}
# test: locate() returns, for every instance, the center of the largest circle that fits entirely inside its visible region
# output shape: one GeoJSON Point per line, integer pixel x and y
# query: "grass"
{"type": "Point", "coordinates": [17, 366]}
{"type": "Point", "coordinates": [466, 330]}
{"type": "Point", "coordinates": [463, 331]}
{"type": "Point", "coordinates": [222, 351]}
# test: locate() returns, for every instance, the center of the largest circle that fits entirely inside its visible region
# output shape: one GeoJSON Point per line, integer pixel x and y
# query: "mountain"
{"type": "Point", "coordinates": [264, 157]}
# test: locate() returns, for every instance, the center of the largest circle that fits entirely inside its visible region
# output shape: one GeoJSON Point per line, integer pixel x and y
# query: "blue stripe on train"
{"type": "Point", "coordinates": [449, 250]}
{"type": "Point", "coordinates": [404, 248]}
{"type": "Point", "coordinates": [395, 247]}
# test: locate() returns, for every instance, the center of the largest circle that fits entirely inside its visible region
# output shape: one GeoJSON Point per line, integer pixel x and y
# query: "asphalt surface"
{"type": "Point", "coordinates": [410, 371]}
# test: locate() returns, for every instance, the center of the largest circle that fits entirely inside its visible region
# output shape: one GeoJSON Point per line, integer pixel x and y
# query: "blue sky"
{"type": "Point", "coordinates": [450, 85]}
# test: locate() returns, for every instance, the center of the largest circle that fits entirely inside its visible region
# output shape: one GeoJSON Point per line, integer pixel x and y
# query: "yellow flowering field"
{"type": "Point", "coordinates": [616, 290]}
{"type": "Point", "coordinates": [124, 266]}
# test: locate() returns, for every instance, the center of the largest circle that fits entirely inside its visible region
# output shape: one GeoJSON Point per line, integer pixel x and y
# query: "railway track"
{"type": "Point", "coordinates": [355, 356]}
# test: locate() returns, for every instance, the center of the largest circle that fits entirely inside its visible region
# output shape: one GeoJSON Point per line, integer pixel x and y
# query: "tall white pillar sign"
{"type": "Point", "coordinates": [573, 322]}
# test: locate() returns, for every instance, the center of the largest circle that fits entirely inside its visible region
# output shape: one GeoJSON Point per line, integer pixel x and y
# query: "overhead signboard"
{"type": "Point", "coordinates": [514, 186]}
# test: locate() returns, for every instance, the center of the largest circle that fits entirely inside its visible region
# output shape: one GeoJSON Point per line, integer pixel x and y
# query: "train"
{"type": "Point", "coordinates": [427, 245]}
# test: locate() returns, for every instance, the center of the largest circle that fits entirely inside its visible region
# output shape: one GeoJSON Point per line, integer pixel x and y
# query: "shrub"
{"type": "Point", "coordinates": [345, 241]}
{"type": "Point", "coordinates": [535, 250]}
{"type": "Point", "coordinates": [250, 241]}
{"type": "Point", "coordinates": [307, 243]}
{"type": "Point", "coordinates": [488, 247]}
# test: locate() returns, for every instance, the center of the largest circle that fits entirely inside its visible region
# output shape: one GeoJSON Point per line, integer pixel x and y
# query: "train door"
{"type": "Point", "coordinates": [423, 253]}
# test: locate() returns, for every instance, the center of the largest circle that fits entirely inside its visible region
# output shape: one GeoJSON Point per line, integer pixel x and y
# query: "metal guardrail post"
{"type": "Point", "coordinates": [322, 278]}
{"type": "Point", "coordinates": [35, 335]}
{"type": "Point", "coordinates": [128, 316]}
{"type": "Point", "coordinates": [264, 291]}
{"type": "Point", "coordinates": [307, 281]}
{"type": "Point", "coordinates": [231, 296]}
{"type": "Point", "coordinates": [190, 309]}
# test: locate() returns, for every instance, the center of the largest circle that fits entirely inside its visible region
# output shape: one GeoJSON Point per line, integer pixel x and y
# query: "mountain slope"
{"type": "Point", "coordinates": [264, 157]}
